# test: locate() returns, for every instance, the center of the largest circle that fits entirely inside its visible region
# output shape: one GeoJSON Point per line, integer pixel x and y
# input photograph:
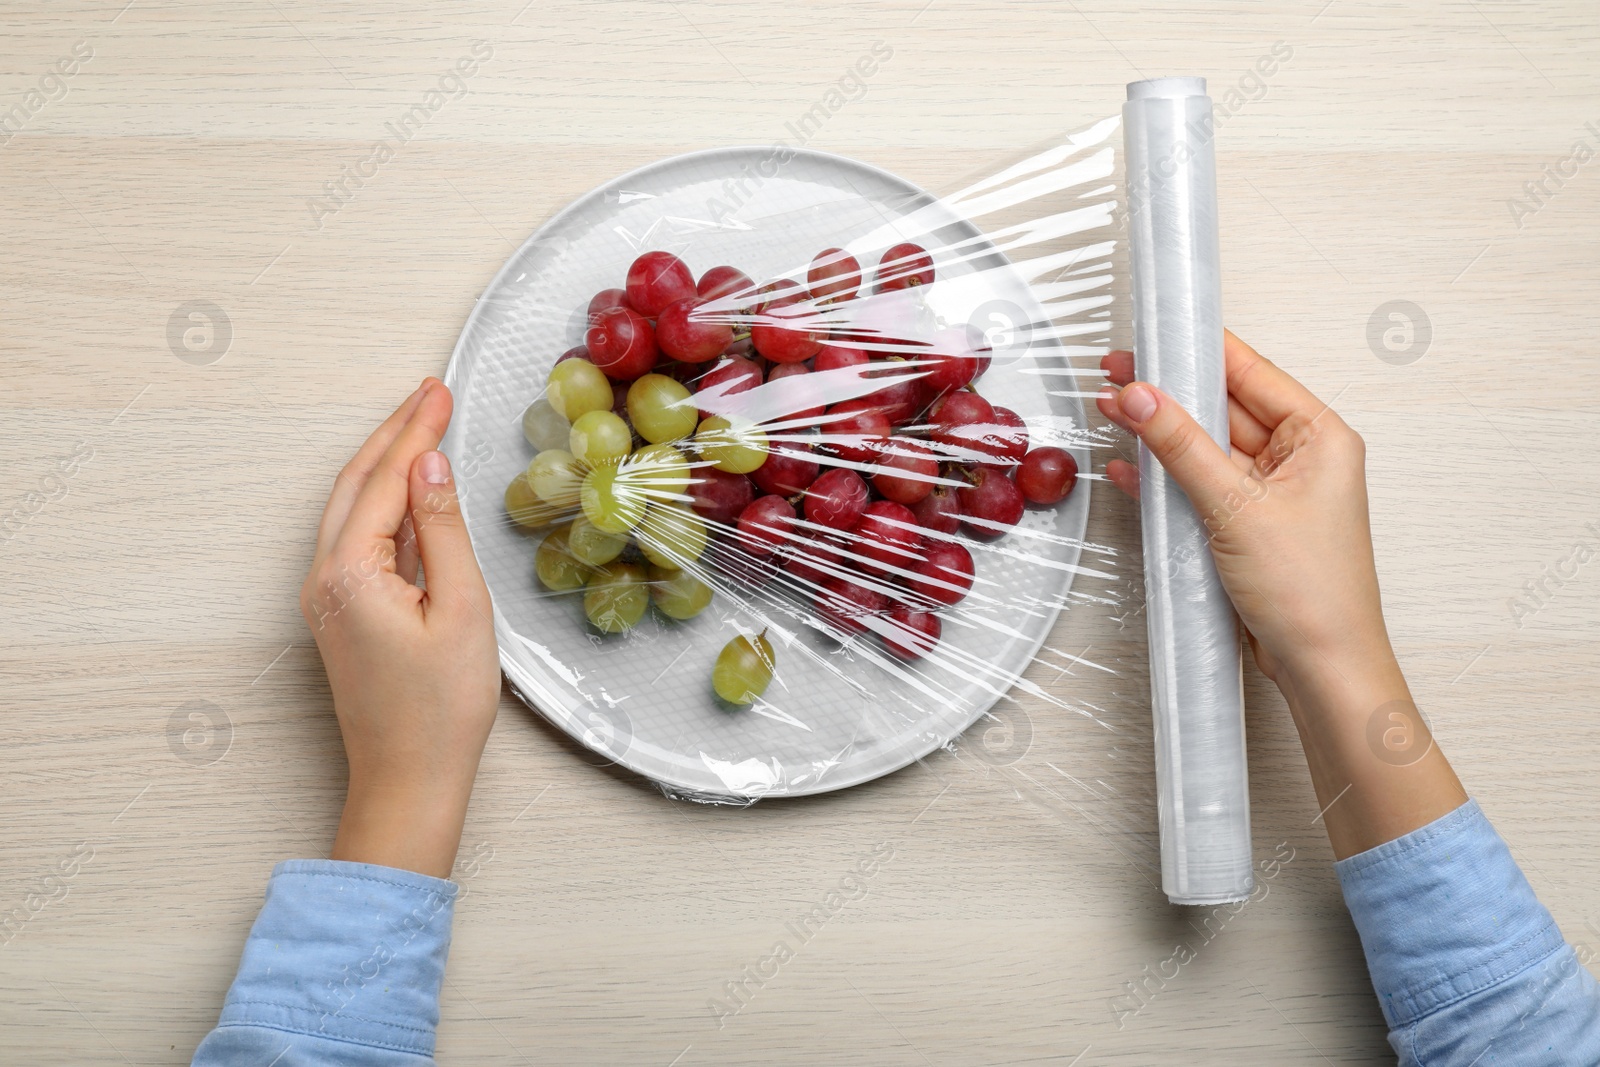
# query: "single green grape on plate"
{"type": "Point", "coordinates": [743, 669]}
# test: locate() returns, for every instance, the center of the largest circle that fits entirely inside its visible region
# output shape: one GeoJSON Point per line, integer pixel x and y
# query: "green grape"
{"type": "Point", "coordinates": [544, 426]}
{"type": "Point", "coordinates": [525, 507]}
{"type": "Point", "coordinates": [661, 472]}
{"type": "Point", "coordinates": [555, 565]}
{"type": "Point", "coordinates": [600, 438]}
{"type": "Point", "coordinates": [661, 409]}
{"type": "Point", "coordinates": [672, 536]}
{"type": "Point", "coordinates": [678, 594]}
{"type": "Point", "coordinates": [616, 597]}
{"type": "Point", "coordinates": [592, 545]}
{"type": "Point", "coordinates": [556, 476]}
{"type": "Point", "coordinates": [611, 501]}
{"type": "Point", "coordinates": [743, 669]}
{"type": "Point", "coordinates": [737, 449]}
{"type": "Point", "coordinates": [576, 387]}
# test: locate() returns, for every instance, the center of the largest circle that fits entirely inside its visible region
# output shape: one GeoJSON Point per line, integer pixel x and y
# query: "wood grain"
{"type": "Point", "coordinates": [1374, 165]}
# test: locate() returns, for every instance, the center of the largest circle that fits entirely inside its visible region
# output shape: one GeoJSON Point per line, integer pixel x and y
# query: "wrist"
{"type": "Point", "coordinates": [402, 826]}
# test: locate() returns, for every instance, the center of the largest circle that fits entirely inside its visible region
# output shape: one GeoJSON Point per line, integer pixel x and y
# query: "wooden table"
{"type": "Point", "coordinates": [168, 507]}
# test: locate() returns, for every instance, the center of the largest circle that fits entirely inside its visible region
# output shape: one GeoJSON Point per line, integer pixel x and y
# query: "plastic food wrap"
{"type": "Point", "coordinates": [653, 645]}
{"type": "Point", "coordinates": [1196, 686]}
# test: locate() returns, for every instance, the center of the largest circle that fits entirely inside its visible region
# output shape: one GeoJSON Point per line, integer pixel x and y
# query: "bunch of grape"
{"type": "Point", "coordinates": [723, 436]}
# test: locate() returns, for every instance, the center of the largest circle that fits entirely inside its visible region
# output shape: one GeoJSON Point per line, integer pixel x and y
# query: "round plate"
{"type": "Point", "coordinates": [835, 715]}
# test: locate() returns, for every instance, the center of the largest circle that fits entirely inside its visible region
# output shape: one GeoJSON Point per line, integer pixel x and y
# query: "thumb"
{"type": "Point", "coordinates": [448, 564]}
{"type": "Point", "coordinates": [1196, 462]}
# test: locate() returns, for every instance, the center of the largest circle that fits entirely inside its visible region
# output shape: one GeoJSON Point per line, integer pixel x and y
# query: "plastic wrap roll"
{"type": "Point", "coordinates": [1196, 687]}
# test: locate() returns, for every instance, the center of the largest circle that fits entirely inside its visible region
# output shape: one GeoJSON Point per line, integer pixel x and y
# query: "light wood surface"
{"type": "Point", "coordinates": [601, 919]}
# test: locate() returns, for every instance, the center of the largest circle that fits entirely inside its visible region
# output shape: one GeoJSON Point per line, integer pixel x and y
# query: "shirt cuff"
{"type": "Point", "coordinates": [1443, 913]}
{"type": "Point", "coordinates": [346, 951]}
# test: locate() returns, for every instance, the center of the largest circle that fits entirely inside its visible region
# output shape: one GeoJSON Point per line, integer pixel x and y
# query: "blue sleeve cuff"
{"type": "Point", "coordinates": [1443, 913]}
{"type": "Point", "coordinates": [347, 952]}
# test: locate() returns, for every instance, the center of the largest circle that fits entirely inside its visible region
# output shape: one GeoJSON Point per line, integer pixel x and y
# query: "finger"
{"type": "Point", "coordinates": [1245, 430]}
{"type": "Point", "coordinates": [1178, 443]}
{"type": "Point", "coordinates": [1123, 475]}
{"type": "Point", "coordinates": [1106, 401]}
{"type": "Point", "coordinates": [1242, 459]}
{"type": "Point", "coordinates": [455, 584]}
{"type": "Point", "coordinates": [405, 551]}
{"type": "Point", "coordinates": [381, 504]}
{"type": "Point", "coordinates": [1265, 390]}
{"type": "Point", "coordinates": [348, 484]}
{"type": "Point", "coordinates": [1118, 366]}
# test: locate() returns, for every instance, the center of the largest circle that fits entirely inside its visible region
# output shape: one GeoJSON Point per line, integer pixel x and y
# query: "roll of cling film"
{"type": "Point", "coordinates": [1195, 681]}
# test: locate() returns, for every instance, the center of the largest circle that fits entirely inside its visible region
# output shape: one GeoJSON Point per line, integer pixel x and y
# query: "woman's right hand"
{"type": "Point", "coordinates": [1286, 511]}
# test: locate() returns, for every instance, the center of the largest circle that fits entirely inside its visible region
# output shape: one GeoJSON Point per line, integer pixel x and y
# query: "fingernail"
{"type": "Point", "coordinates": [1138, 402]}
{"type": "Point", "coordinates": [435, 468]}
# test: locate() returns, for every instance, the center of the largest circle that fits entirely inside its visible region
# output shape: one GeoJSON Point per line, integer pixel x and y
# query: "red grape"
{"type": "Point", "coordinates": [959, 420]}
{"type": "Point", "coordinates": [798, 393]}
{"type": "Point", "coordinates": [813, 558]}
{"type": "Point", "coordinates": [732, 561]}
{"type": "Point", "coordinates": [837, 499]}
{"type": "Point", "coordinates": [621, 343]}
{"type": "Point", "coordinates": [904, 397]}
{"type": "Point", "coordinates": [910, 634]}
{"type": "Point", "coordinates": [657, 279]}
{"type": "Point", "coordinates": [835, 357]}
{"type": "Point", "coordinates": [903, 266]}
{"type": "Point", "coordinates": [789, 469]}
{"type": "Point", "coordinates": [576, 352]}
{"type": "Point", "coordinates": [619, 398]}
{"type": "Point", "coordinates": [1047, 475]}
{"type": "Point", "coordinates": [775, 294]}
{"type": "Point", "coordinates": [943, 574]}
{"type": "Point", "coordinates": [950, 362]}
{"type": "Point", "coordinates": [1007, 436]}
{"type": "Point", "coordinates": [765, 525]}
{"type": "Point", "coordinates": [887, 537]}
{"type": "Point", "coordinates": [693, 338]}
{"type": "Point", "coordinates": [724, 281]}
{"type": "Point", "coordinates": [847, 605]}
{"type": "Point", "coordinates": [991, 504]}
{"type": "Point", "coordinates": [606, 298]}
{"type": "Point", "coordinates": [718, 496]}
{"type": "Point", "coordinates": [731, 376]}
{"type": "Point", "coordinates": [855, 431]}
{"type": "Point", "coordinates": [939, 511]}
{"type": "Point", "coordinates": [781, 334]}
{"type": "Point", "coordinates": [906, 470]}
{"type": "Point", "coordinates": [834, 273]}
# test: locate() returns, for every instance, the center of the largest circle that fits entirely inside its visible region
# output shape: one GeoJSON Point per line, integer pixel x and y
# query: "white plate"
{"type": "Point", "coordinates": [834, 717]}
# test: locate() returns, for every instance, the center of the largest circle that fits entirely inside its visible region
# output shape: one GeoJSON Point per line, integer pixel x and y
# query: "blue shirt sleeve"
{"type": "Point", "coordinates": [342, 967]}
{"type": "Point", "coordinates": [1467, 964]}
